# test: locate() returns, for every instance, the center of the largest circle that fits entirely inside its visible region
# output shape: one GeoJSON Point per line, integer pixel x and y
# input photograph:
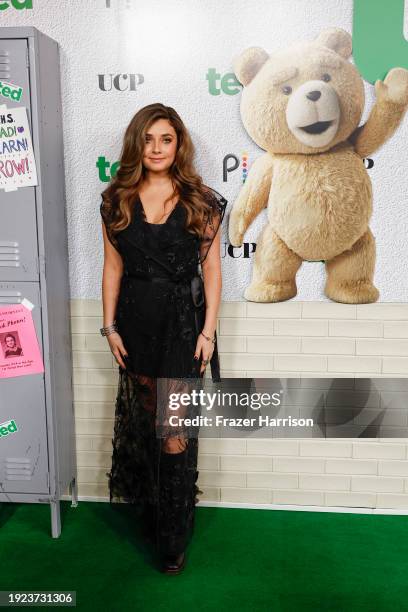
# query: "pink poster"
{"type": "Point", "coordinates": [19, 349]}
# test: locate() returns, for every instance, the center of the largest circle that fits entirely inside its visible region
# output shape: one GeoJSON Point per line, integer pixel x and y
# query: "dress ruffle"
{"type": "Point", "coordinates": [161, 486]}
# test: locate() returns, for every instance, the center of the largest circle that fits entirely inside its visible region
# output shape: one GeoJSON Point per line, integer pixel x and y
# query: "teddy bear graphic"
{"type": "Point", "coordinates": [303, 106]}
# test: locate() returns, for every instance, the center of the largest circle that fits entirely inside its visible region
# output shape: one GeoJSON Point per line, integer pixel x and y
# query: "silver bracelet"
{"type": "Point", "coordinates": [110, 329]}
{"type": "Point", "coordinates": [208, 337]}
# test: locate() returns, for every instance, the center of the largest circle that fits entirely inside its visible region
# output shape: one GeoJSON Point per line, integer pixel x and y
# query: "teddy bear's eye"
{"type": "Point", "coordinates": [287, 90]}
{"type": "Point", "coordinates": [326, 77]}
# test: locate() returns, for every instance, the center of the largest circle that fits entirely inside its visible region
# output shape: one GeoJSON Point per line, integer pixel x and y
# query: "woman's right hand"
{"type": "Point", "coordinates": [117, 348]}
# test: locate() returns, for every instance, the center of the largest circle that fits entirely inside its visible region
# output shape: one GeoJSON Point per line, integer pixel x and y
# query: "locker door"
{"type": "Point", "coordinates": [18, 224]}
{"type": "Point", "coordinates": [24, 453]}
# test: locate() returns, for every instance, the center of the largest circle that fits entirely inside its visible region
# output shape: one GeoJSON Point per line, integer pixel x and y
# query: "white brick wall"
{"type": "Point", "coordinates": [294, 339]}
{"type": "Point", "coordinates": [314, 339]}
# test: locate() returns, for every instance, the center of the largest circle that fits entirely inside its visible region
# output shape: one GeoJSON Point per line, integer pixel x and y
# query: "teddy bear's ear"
{"type": "Point", "coordinates": [336, 39]}
{"type": "Point", "coordinates": [248, 63]}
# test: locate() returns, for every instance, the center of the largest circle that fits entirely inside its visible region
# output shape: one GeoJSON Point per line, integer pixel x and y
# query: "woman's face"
{"type": "Point", "coordinates": [10, 342]}
{"type": "Point", "coordinates": [160, 146]}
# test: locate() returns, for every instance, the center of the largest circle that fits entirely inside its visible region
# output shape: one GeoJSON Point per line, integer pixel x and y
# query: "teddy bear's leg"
{"type": "Point", "coordinates": [350, 274]}
{"type": "Point", "coordinates": [274, 271]}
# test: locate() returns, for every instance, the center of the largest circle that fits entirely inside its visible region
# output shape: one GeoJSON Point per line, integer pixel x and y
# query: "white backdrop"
{"type": "Point", "coordinates": [173, 43]}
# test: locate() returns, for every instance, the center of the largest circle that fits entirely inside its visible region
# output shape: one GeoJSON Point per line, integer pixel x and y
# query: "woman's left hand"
{"type": "Point", "coordinates": [205, 349]}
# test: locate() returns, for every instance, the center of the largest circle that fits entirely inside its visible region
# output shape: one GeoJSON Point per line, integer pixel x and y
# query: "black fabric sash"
{"type": "Point", "coordinates": [152, 255]}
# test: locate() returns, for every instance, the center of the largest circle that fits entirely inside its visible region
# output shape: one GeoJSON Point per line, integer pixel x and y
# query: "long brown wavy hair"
{"type": "Point", "coordinates": [119, 196]}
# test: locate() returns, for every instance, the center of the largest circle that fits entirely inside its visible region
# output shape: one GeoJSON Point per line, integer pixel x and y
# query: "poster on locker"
{"type": "Point", "coordinates": [19, 349]}
{"type": "Point", "coordinates": [17, 163]}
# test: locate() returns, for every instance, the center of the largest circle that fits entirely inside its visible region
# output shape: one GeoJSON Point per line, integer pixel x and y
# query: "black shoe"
{"type": "Point", "coordinates": [173, 564]}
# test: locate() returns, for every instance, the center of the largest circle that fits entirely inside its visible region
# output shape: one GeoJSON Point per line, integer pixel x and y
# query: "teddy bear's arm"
{"type": "Point", "coordinates": [386, 114]}
{"type": "Point", "coordinates": [252, 198]}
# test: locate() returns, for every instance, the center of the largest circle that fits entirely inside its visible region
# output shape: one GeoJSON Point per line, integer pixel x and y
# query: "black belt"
{"type": "Point", "coordinates": [158, 279]}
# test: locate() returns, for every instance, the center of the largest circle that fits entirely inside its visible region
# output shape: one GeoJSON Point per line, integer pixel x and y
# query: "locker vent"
{"type": "Point", "coordinates": [19, 468]}
{"type": "Point", "coordinates": [4, 64]}
{"type": "Point", "coordinates": [9, 254]}
{"type": "Point", "coordinates": [10, 297]}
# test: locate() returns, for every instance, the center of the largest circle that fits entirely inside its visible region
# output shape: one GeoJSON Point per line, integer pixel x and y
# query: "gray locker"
{"type": "Point", "coordinates": [38, 463]}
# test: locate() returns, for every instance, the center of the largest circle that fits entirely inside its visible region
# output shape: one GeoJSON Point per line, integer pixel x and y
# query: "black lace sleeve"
{"type": "Point", "coordinates": [106, 214]}
{"type": "Point", "coordinates": [212, 222]}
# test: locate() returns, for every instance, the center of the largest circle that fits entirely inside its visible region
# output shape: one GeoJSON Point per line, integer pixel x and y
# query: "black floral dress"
{"type": "Point", "coordinates": [159, 326]}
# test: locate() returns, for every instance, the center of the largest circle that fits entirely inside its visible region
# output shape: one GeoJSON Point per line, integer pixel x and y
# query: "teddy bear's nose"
{"type": "Point", "coordinates": [313, 95]}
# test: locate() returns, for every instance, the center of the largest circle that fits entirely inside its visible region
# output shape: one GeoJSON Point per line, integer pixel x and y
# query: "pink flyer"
{"type": "Point", "coordinates": [19, 349]}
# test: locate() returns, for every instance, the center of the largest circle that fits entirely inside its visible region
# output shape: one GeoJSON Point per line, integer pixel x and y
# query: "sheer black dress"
{"type": "Point", "coordinates": [159, 325]}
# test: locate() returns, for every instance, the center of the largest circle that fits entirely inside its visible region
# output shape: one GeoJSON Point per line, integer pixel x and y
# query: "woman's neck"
{"type": "Point", "coordinates": [157, 178]}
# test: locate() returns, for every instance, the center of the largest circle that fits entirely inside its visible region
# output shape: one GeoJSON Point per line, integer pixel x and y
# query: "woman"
{"type": "Point", "coordinates": [159, 222]}
{"type": "Point", "coordinates": [12, 349]}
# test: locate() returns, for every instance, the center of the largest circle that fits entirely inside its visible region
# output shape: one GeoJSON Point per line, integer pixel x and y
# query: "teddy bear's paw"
{"type": "Point", "coordinates": [235, 238]}
{"type": "Point", "coordinates": [270, 292]}
{"type": "Point", "coordinates": [235, 231]}
{"type": "Point", "coordinates": [358, 292]}
{"type": "Point", "coordinates": [395, 86]}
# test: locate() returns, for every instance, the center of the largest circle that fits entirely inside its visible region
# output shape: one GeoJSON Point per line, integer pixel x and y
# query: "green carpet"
{"type": "Point", "coordinates": [238, 560]}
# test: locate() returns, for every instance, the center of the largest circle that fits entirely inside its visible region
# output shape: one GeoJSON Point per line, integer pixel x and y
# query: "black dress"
{"type": "Point", "coordinates": [159, 326]}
